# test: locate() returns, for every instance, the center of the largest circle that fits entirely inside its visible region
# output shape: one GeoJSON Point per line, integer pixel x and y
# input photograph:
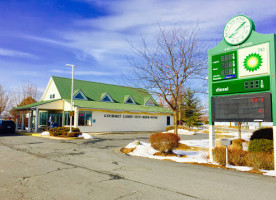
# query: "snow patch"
{"type": "Point", "coordinates": [240, 168]}
{"type": "Point", "coordinates": [45, 133]}
{"type": "Point", "coordinates": [181, 132]}
{"type": "Point", "coordinates": [86, 136]}
{"type": "Point", "coordinates": [204, 143]}
{"type": "Point", "coordinates": [269, 172]}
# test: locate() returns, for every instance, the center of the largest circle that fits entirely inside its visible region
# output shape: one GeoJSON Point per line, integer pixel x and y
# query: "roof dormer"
{"type": "Point", "coordinates": [105, 97]}
{"type": "Point", "coordinates": [79, 95]}
{"type": "Point", "coordinates": [149, 102]}
{"type": "Point", "coordinates": [129, 100]}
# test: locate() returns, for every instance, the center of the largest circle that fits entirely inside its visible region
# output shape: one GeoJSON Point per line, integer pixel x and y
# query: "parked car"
{"type": "Point", "coordinates": [7, 126]}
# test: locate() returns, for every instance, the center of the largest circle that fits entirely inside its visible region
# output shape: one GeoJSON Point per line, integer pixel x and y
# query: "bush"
{"type": "Point", "coordinates": [237, 144]}
{"type": "Point", "coordinates": [263, 133]}
{"type": "Point", "coordinates": [168, 128]}
{"type": "Point", "coordinates": [164, 142]}
{"type": "Point", "coordinates": [260, 160]}
{"type": "Point", "coordinates": [237, 157]}
{"type": "Point", "coordinates": [261, 145]}
{"type": "Point", "coordinates": [63, 131]}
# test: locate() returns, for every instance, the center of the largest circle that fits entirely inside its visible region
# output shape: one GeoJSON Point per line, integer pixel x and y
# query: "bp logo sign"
{"type": "Point", "coordinates": [252, 62]}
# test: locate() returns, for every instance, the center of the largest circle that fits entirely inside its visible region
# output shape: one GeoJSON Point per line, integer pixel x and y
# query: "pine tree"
{"type": "Point", "coordinates": [190, 112]}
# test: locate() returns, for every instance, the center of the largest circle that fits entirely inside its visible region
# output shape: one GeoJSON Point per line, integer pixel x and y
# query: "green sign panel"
{"type": "Point", "coordinates": [242, 64]}
{"type": "Point", "coordinates": [255, 84]}
{"type": "Point", "coordinates": [224, 66]}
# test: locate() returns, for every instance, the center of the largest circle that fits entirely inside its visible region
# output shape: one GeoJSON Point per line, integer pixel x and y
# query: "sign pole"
{"type": "Point", "coordinates": [211, 141]}
{"type": "Point", "coordinates": [274, 146]}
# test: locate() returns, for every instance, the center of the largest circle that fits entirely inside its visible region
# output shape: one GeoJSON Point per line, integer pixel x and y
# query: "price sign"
{"type": "Point", "coordinates": [242, 108]}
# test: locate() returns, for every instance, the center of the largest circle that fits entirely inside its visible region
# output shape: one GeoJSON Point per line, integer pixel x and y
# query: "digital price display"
{"type": "Point", "coordinates": [224, 66]}
{"type": "Point", "coordinates": [242, 108]}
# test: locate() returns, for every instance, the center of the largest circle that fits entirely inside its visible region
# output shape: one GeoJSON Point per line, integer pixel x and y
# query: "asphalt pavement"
{"type": "Point", "coordinates": [40, 168]}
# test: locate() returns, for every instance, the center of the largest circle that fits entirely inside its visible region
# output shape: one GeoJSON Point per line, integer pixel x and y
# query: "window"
{"type": "Point", "coordinates": [85, 118]}
{"type": "Point", "coordinates": [107, 98]}
{"type": "Point", "coordinates": [43, 118]}
{"type": "Point", "coordinates": [52, 96]}
{"type": "Point", "coordinates": [80, 96]}
{"type": "Point", "coordinates": [168, 120]}
{"type": "Point", "coordinates": [149, 103]}
{"type": "Point", "coordinates": [130, 100]}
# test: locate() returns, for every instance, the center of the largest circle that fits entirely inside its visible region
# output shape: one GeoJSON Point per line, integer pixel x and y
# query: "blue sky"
{"type": "Point", "coordinates": [38, 37]}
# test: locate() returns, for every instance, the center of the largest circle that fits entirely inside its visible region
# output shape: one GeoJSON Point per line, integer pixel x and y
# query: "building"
{"type": "Point", "coordinates": [97, 107]}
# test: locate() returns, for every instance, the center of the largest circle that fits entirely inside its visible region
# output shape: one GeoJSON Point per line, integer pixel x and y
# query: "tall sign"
{"type": "Point", "coordinates": [241, 77]}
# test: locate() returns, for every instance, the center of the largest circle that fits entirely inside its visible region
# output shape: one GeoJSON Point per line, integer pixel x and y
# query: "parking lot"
{"type": "Point", "coordinates": [40, 168]}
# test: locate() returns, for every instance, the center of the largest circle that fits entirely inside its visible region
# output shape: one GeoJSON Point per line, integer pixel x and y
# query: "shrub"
{"type": "Point", "coordinates": [263, 133]}
{"type": "Point", "coordinates": [63, 131]}
{"type": "Point", "coordinates": [261, 145]}
{"type": "Point", "coordinates": [237, 157]}
{"type": "Point", "coordinates": [220, 155]}
{"type": "Point", "coordinates": [164, 142]}
{"type": "Point", "coordinates": [237, 144]}
{"type": "Point", "coordinates": [168, 128]}
{"type": "Point", "coordinates": [260, 160]}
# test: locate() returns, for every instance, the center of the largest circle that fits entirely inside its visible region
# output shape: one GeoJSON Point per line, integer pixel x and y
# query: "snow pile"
{"type": "Point", "coordinates": [86, 136]}
{"type": "Point", "coordinates": [143, 149]}
{"type": "Point", "coordinates": [45, 133]}
{"type": "Point", "coordinates": [182, 132]}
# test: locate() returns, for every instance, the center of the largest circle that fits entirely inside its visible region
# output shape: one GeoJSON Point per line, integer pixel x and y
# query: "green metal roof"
{"type": "Point", "coordinates": [29, 106]}
{"type": "Point", "coordinates": [94, 91]}
{"type": "Point", "coordinates": [118, 106]}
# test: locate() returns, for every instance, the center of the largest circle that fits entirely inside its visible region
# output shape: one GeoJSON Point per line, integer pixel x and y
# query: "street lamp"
{"type": "Point", "coordinates": [72, 88]}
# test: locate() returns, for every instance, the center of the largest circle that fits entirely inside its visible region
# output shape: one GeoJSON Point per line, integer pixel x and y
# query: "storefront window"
{"type": "Point", "coordinates": [88, 118]}
{"type": "Point", "coordinates": [85, 118]}
{"type": "Point", "coordinates": [43, 118]}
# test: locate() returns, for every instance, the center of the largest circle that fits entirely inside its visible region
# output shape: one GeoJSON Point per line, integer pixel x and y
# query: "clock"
{"type": "Point", "coordinates": [237, 29]}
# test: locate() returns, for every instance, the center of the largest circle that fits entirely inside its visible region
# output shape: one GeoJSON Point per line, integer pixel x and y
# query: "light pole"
{"type": "Point", "coordinates": [72, 88]}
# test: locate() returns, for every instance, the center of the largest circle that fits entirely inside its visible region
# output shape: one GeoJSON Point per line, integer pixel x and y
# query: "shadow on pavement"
{"type": "Point", "coordinates": [7, 134]}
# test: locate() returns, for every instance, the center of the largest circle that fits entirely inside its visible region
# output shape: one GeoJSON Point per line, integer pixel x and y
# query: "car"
{"type": "Point", "coordinates": [7, 126]}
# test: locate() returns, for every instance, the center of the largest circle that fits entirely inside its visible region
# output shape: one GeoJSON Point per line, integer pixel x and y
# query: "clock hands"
{"type": "Point", "coordinates": [237, 30]}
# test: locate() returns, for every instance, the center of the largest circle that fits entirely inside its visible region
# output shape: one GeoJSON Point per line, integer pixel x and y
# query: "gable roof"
{"type": "Point", "coordinates": [94, 90]}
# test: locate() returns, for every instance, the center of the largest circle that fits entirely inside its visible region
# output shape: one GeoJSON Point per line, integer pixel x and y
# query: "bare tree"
{"type": "Point", "coordinates": [4, 100]}
{"type": "Point", "coordinates": [25, 90]}
{"type": "Point", "coordinates": [174, 60]}
{"type": "Point", "coordinates": [26, 93]}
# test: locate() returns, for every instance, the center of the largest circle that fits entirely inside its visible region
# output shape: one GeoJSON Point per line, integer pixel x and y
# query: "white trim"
{"type": "Point", "coordinates": [130, 97]}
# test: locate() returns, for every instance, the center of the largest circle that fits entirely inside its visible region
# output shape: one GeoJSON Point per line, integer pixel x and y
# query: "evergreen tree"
{"type": "Point", "coordinates": [190, 112]}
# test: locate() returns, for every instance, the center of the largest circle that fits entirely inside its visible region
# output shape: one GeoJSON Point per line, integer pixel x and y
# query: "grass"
{"type": "Point", "coordinates": [127, 150]}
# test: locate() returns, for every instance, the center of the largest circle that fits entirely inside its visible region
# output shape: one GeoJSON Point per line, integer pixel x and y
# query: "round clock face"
{"type": "Point", "coordinates": [237, 30]}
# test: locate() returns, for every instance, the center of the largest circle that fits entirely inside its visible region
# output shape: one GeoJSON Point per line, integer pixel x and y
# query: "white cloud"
{"type": "Point", "coordinates": [12, 53]}
{"type": "Point", "coordinates": [83, 73]}
{"type": "Point", "coordinates": [105, 37]}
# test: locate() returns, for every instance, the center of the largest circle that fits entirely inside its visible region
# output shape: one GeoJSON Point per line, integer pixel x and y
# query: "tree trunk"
{"type": "Point", "coordinates": [175, 115]}
{"type": "Point", "coordinates": [239, 129]}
